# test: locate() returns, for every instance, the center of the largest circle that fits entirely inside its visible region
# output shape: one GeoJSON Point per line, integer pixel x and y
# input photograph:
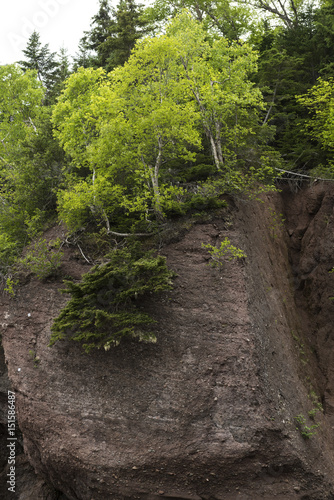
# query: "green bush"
{"type": "Point", "coordinates": [226, 249]}
{"type": "Point", "coordinates": [41, 259]}
{"type": "Point", "coordinates": [103, 308]}
{"type": "Point", "coordinates": [199, 202]}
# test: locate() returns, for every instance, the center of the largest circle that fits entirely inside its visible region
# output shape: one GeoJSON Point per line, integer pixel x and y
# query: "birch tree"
{"type": "Point", "coordinates": [217, 76]}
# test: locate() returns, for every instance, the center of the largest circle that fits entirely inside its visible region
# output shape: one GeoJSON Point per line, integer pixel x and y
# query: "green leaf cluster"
{"type": "Point", "coordinates": [307, 431]}
{"type": "Point", "coordinates": [320, 102]}
{"type": "Point", "coordinates": [31, 162]}
{"type": "Point", "coordinates": [105, 307]}
{"type": "Point", "coordinates": [42, 259]}
{"type": "Point", "coordinates": [226, 250]}
{"type": "Point", "coordinates": [142, 126]}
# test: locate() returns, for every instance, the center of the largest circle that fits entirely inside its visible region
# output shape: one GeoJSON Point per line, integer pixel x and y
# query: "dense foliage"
{"type": "Point", "coordinates": [164, 110]}
{"type": "Point", "coordinates": [105, 308]}
{"type": "Point", "coordinates": [139, 129]}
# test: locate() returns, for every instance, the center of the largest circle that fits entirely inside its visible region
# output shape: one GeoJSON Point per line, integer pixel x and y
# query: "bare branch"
{"type": "Point", "coordinates": [271, 105]}
{"type": "Point", "coordinates": [83, 254]}
{"type": "Point", "coordinates": [270, 6]}
{"type": "Point", "coordinates": [296, 174]}
{"type": "Point", "coordinates": [294, 8]}
{"type": "Point", "coordinates": [123, 235]}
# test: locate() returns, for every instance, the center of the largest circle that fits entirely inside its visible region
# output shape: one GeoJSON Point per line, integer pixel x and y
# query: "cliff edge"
{"type": "Point", "coordinates": [209, 411]}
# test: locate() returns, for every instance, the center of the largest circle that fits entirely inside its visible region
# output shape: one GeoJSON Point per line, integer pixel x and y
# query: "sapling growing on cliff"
{"type": "Point", "coordinates": [226, 249]}
{"type": "Point", "coordinates": [41, 259]}
{"type": "Point", "coordinates": [306, 431]}
{"type": "Point", "coordinates": [104, 309]}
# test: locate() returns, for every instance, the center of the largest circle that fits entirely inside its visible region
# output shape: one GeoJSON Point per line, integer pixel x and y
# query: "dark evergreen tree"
{"type": "Point", "coordinates": [96, 37]}
{"type": "Point", "coordinates": [291, 60]}
{"type": "Point", "coordinates": [129, 26]}
{"type": "Point", "coordinates": [101, 24]}
{"type": "Point", "coordinates": [113, 35]}
{"type": "Point", "coordinates": [105, 307]}
{"type": "Point", "coordinates": [40, 58]}
{"type": "Point", "coordinates": [324, 38]}
{"type": "Point", "coordinates": [84, 58]}
{"type": "Point", "coordinates": [63, 72]}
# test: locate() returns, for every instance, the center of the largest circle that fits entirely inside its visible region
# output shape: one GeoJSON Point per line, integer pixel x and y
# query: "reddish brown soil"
{"type": "Point", "coordinates": [207, 412]}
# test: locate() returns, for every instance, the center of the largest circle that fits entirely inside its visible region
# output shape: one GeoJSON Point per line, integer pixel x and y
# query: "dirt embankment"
{"type": "Point", "coordinates": [209, 411]}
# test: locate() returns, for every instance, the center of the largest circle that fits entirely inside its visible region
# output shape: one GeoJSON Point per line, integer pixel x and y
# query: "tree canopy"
{"type": "Point", "coordinates": [159, 98]}
{"type": "Point", "coordinates": [165, 110]}
{"type": "Point", "coordinates": [113, 34]}
{"type": "Point", "coordinates": [175, 90]}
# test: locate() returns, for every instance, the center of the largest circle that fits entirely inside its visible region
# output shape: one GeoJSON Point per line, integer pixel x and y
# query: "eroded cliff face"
{"type": "Point", "coordinates": [29, 486]}
{"type": "Point", "coordinates": [207, 412]}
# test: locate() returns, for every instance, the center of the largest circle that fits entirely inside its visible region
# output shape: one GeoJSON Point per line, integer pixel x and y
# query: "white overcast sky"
{"type": "Point", "coordinates": [59, 22]}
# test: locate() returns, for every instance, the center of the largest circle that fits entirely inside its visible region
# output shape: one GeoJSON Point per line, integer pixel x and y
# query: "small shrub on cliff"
{"type": "Point", "coordinates": [103, 308]}
{"type": "Point", "coordinates": [306, 431]}
{"type": "Point", "coordinates": [226, 249]}
{"type": "Point", "coordinates": [10, 286]}
{"type": "Point", "coordinates": [42, 259]}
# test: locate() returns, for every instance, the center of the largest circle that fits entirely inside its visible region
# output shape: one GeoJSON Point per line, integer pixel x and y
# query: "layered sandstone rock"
{"type": "Point", "coordinates": [207, 412]}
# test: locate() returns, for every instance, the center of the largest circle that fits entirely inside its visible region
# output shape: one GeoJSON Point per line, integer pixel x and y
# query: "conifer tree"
{"type": "Point", "coordinates": [125, 31]}
{"type": "Point", "coordinates": [94, 39]}
{"type": "Point", "coordinates": [324, 38]}
{"type": "Point", "coordinates": [63, 72]}
{"type": "Point", "coordinates": [84, 58]}
{"type": "Point", "coordinates": [292, 57]}
{"type": "Point", "coordinates": [113, 35]}
{"type": "Point", "coordinates": [40, 58]}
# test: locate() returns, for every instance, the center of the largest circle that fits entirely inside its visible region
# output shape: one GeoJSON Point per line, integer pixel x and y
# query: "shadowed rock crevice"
{"type": "Point", "coordinates": [28, 485]}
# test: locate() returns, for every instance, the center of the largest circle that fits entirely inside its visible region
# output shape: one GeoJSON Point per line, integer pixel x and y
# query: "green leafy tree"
{"type": "Point", "coordinates": [230, 19]}
{"type": "Point", "coordinates": [75, 126]}
{"type": "Point", "coordinates": [217, 76]}
{"type": "Point", "coordinates": [320, 102]}
{"type": "Point", "coordinates": [129, 126]}
{"type": "Point", "coordinates": [155, 118]}
{"type": "Point", "coordinates": [128, 130]}
{"type": "Point", "coordinates": [89, 191]}
{"type": "Point", "coordinates": [31, 161]}
{"type": "Point", "coordinates": [21, 96]}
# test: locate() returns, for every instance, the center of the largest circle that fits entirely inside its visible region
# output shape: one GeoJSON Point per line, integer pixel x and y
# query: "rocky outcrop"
{"type": "Point", "coordinates": [28, 486]}
{"type": "Point", "coordinates": [209, 411]}
{"type": "Point", "coordinates": [310, 223]}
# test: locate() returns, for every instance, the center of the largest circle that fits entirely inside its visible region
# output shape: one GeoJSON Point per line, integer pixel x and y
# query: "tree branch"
{"type": "Point", "coordinates": [302, 175]}
{"type": "Point", "coordinates": [271, 105]}
{"type": "Point", "coordinates": [264, 5]}
{"type": "Point", "coordinates": [123, 235]}
{"type": "Point", "coordinates": [83, 254]}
